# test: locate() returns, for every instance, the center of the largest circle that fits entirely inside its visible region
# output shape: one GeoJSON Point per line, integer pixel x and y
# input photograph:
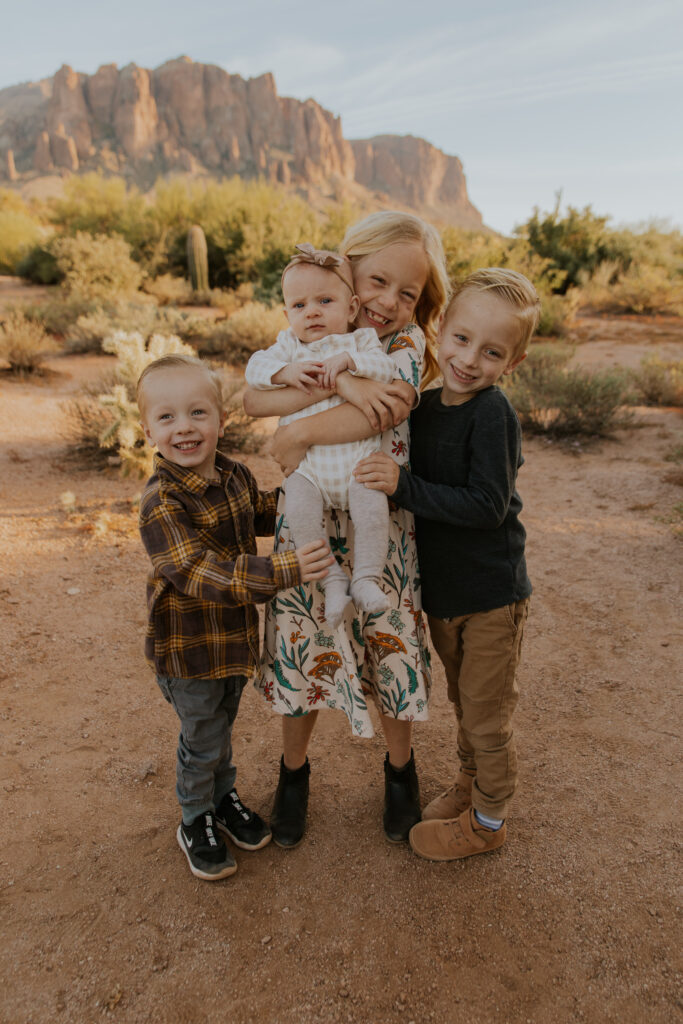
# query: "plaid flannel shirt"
{"type": "Point", "coordinates": [206, 574]}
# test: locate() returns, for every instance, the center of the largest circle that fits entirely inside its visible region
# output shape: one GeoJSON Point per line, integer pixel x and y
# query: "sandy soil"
{"type": "Point", "coordinates": [575, 919]}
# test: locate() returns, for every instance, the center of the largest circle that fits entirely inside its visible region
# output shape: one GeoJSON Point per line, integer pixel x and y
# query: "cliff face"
{"type": "Point", "coordinates": [197, 118]}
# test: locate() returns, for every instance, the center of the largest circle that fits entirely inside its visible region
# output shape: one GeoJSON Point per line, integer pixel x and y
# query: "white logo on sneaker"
{"type": "Point", "coordinates": [188, 842]}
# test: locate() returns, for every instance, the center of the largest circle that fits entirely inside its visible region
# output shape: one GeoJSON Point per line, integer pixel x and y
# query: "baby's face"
{"type": "Point", "coordinates": [317, 302]}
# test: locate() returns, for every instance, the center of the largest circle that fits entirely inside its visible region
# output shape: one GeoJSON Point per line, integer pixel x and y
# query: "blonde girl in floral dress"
{"type": "Point", "coordinates": [400, 278]}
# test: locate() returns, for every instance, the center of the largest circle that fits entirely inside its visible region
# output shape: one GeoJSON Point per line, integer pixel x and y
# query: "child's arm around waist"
{"type": "Point", "coordinates": [178, 555]}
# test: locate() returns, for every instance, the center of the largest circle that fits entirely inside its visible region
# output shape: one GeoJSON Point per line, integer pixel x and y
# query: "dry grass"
{"type": "Point", "coordinates": [24, 343]}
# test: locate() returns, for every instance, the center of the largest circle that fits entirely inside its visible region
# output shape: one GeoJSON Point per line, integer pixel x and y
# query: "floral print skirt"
{"type": "Point", "coordinates": [381, 657]}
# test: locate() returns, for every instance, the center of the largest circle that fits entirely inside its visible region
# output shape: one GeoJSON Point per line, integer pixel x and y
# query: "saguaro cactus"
{"type": "Point", "coordinates": [197, 259]}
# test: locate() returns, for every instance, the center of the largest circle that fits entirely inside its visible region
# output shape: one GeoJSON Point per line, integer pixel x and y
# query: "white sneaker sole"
{"type": "Point", "coordinates": [207, 876]}
{"type": "Point", "coordinates": [238, 842]}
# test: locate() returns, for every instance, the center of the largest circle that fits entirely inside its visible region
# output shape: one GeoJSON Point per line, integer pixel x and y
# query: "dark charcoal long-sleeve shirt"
{"type": "Point", "coordinates": [461, 486]}
{"type": "Point", "coordinates": [206, 574]}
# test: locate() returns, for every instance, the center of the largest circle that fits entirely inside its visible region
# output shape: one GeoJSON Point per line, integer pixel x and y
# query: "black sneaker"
{"type": "Point", "coordinates": [206, 853]}
{"type": "Point", "coordinates": [244, 827]}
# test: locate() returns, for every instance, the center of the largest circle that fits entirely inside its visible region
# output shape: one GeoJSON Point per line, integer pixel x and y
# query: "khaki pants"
{"type": "Point", "coordinates": [480, 653]}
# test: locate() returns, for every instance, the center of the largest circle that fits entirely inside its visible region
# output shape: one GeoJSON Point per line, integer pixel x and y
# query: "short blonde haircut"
{"type": "Point", "coordinates": [178, 361]}
{"type": "Point", "coordinates": [389, 227]}
{"type": "Point", "coordinates": [515, 289]}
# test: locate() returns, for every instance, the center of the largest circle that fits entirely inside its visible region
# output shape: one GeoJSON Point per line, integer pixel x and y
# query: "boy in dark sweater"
{"type": "Point", "coordinates": [465, 453]}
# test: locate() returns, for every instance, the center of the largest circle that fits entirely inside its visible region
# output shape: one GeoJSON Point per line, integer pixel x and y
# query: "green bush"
{"type": "Point", "coordinates": [24, 344]}
{"type": "Point", "coordinates": [574, 244]}
{"type": "Point", "coordinates": [552, 399]}
{"type": "Point", "coordinates": [19, 233]}
{"type": "Point", "coordinates": [97, 205]}
{"type": "Point", "coordinates": [96, 266]}
{"type": "Point", "coordinates": [39, 265]}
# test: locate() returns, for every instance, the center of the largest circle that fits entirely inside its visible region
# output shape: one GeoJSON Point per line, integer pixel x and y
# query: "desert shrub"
{"type": "Point", "coordinates": [24, 343]}
{"type": "Point", "coordinates": [658, 382]}
{"type": "Point", "coordinates": [87, 420]}
{"type": "Point", "coordinates": [643, 288]}
{"type": "Point", "coordinates": [250, 328]}
{"type": "Point", "coordinates": [59, 314]}
{"type": "Point", "coordinates": [100, 206]}
{"type": "Point", "coordinates": [169, 290]}
{"type": "Point", "coordinates": [19, 234]}
{"type": "Point", "coordinates": [238, 435]}
{"type": "Point", "coordinates": [557, 313]}
{"type": "Point", "coordinates": [574, 244]}
{"type": "Point", "coordinates": [466, 251]}
{"type": "Point", "coordinates": [96, 266]}
{"type": "Point", "coordinates": [230, 300]}
{"type": "Point", "coordinates": [39, 265]}
{"type": "Point", "coordinates": [551, 398]}
{"type": "Point", "coordinates": [88, 332]}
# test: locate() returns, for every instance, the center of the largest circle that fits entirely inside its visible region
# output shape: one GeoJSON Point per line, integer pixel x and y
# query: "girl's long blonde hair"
{"type": "Point", "coordinates": [387, 227]}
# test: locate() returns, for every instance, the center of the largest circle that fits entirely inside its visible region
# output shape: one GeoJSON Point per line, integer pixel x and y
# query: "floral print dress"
{"type": "Point", "coordinates": [381, 657]}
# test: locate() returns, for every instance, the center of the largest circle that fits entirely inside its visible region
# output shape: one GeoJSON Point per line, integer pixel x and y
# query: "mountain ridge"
{"type": "Point", "coordinates": [198, 119]}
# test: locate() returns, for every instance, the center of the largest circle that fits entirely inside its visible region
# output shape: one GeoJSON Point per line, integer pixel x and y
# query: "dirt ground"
{"type": "Point", "coordinates": [575, 919]}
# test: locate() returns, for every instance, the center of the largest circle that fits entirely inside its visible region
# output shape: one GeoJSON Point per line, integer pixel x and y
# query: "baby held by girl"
{"type": "Point", "coordinates": [321, 343]}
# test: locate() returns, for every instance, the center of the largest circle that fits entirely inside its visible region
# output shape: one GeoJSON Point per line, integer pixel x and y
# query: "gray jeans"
{"type": "Point", "coordinates": [207, 709]}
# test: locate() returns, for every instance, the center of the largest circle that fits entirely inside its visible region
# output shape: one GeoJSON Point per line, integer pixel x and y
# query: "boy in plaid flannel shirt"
{"type": "Point", "coordinates": [199, 517]}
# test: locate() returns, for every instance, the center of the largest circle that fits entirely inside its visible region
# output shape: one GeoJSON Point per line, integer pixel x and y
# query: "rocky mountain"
{"type": "Point", "coordinates": [199, 119]}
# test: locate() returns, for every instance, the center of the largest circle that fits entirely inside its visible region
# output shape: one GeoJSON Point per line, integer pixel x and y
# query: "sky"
{"type": "Point", "coordinates": [535, 97]}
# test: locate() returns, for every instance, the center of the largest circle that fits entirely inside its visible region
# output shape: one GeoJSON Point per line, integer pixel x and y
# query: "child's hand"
{"type": "Point", "coordinates": [303, 376]}
{"type": "Point", "coordinates": [378, 472]}
{"type": "Point", "coordinates": [333, 367]}
{"type": "Point", "coordinates": [287, 448]}
{"type": "Point", "coordinates": [384, 405]}
{"type": "Point", "coordinates": [314, 559]}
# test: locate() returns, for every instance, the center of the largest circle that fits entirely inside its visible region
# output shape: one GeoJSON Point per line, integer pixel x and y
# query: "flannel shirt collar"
{"type": "Point", "coordinates": [186, 478]}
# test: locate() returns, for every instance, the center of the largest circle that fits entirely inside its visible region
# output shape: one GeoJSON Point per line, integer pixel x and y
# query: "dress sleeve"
{"type": "Point", "coordinates": [266, 362]}
{"type": "Point", "coordinates": [178, 555]}
{"type": "Point", "coordinates": [407, 350]}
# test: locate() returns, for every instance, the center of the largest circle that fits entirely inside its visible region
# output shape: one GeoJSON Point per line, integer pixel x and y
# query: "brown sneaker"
{"type": "Point", "coordinates": [452, 802]}
{"type": "Point", "coordinates": [452, 840]}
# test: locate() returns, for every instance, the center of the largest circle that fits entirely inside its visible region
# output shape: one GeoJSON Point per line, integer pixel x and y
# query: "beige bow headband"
{"type": "Point", "coordinates": [332, 261]}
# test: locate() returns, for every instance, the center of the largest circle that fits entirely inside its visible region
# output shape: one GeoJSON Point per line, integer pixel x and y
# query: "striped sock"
{"type": "Point", "coordinates": [492, 823]}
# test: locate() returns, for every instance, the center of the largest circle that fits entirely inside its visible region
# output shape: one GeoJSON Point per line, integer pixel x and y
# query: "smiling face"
{"type": "Point", "coordinates": [389, 284]}
{"type": "Point", "coordinates": [317, 302]}
{"type": "Point", "coordinates": [478, 343]}
{"type": "Point", "coordinates": [181, 417]}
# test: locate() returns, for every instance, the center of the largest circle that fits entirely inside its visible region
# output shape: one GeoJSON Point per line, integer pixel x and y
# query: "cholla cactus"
{"type": "Point", "coordinates": [125, 432]}
{"type": "Point", "coordinates": [134, 354]}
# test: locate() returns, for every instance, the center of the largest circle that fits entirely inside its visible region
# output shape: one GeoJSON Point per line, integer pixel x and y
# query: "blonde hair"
{"type": "Point", "coordinates": [515, 289]}
{"type": "Point", "coordinates": [389, 227]}
{"type": "Point", "coordinates": [176, 361]}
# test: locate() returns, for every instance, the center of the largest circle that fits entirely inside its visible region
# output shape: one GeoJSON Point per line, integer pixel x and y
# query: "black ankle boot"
{"type": "Point", "coordinates": [288, 817]}
{"type": "Point", "coordinates": [401, 800]}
